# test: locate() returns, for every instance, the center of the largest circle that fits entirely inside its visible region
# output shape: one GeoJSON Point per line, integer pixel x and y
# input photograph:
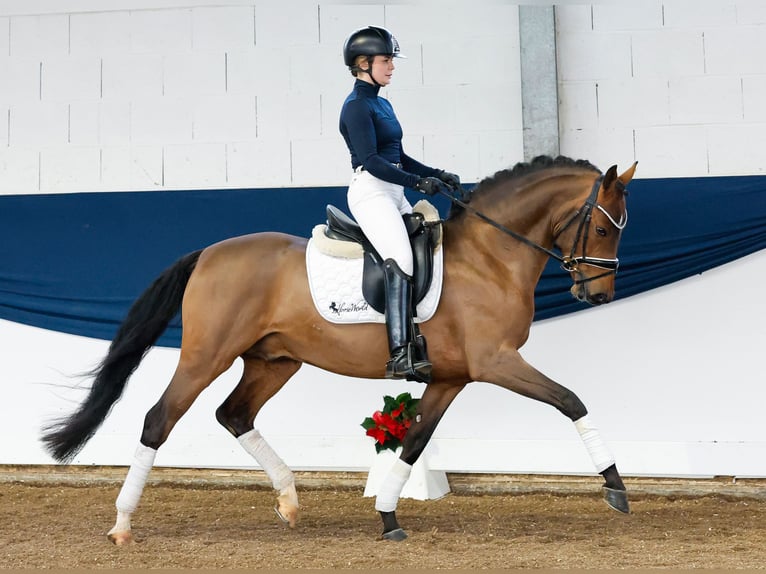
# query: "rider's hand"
{"type": "Point", "coordinates": [452, 180]}
{"type": "Point", "coordinates": [430, 185]}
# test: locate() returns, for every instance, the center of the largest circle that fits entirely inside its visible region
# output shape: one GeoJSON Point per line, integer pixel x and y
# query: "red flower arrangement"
{"type": "Point", "coordinates": [389, 426]}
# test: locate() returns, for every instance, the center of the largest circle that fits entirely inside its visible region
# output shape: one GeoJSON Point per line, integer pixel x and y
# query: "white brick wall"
{"type": "Point", "coordinates": [674, 84]}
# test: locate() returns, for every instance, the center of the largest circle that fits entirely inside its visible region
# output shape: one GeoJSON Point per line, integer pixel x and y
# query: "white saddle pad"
{"type": "Point", "coordinates": [336, 282]}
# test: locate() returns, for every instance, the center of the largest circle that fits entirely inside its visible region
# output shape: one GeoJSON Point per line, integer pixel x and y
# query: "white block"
{"type": "Point", "coordinates": [424, 21]}
{"type": "Point", "coordinates": [99, 33]}
{"type": "Point", "coordinates": [425, 109]}
{"type": "Point", "coordinates": [294, 114]}
{"type": "Point", "coordinates": [735, 50]}
{"type": "Point", "coordinates": [499, 109]}
{"type": "Point", "coordinates": [498, 150]}
{"type": "Point", "coordinates": [578, 17]}
{"type": "Point", "coordinates": [668, 53]}
{"type": "Point", "coordinates": [131, 168]}
{"type": "Point", "coordinates": [705, 100]}
{"type": "Point", "coordinates": [696, 14]}
{"type": "Point", "coordinates": [193, 75]}
{"type": "Point", "coordinates": [67, 169]}
{"type": "Point", "coordinates": [603, 147]}
{"type": "Point", "coordinates": [260, 163]}
{"type": "Point", "coordinates": [19, 170]}
{"type": "Point", "coordinates": [493, 61]}
{"type": "Point", "coordinates": [614, 16]}
{"type": "Point", "coordinates": [330, 105]}
{"type": "Point", "coordinates": [633, 102]}
{"type": "Point", "coordinates": [39, 123]}
{"type": "Point", "coordinates": [161, 121]}
{"type": "Point", "coordinates": [457, 153]}
{"type": "Point", "coordinates": [223, 28]}
{"type": "Point", "coordinates": [578, 104]}
{"type": "Point", "coordinates": [337, 21]}
{"type": "Point", "coordinates": [130, 76]}
{"type": "Point", "coordinates": [737, 149]}
{"type": "Point", "coordinates": [678, 151]}
{"type": "Point", "coordinates": [38, 36]}
{"type": "Point", "coordinates": [751, 12]}
{"type": "Point", "coordinates": [593, 56]}
{"type": "Point", "coordinates": [753, 98]}
{"type": "Point", "coordinates": [225, 119]}
{"type": "Point", "coordinates": [160, 31]}
{"type": "Point", "coordinates": [20, 80]}
{"type": "Point", "coordinates": [317, 162]}
{"type": "Point", "coordinates": [194, 166]}
{"type": "Point", "coordinates": [303, 64]}
{"type": "Point", "coordinates": [257, 71]}
{"type": "Point", "coordinates": [5, 28]}
{"type": "Point", "coordinates": [104, 123]}
{"type": "Point", "coordinates": [277, 27]}
{"type": "Point", "coordinates": [70, 78]}
{"type": "Point", "coordinates": [84, 124]}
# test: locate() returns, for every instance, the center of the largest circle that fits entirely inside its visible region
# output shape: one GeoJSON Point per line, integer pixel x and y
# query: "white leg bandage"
{"type": "Point", "coordinates": [598, 451]}
{"type": "Point", "coordinates": [133, 487]}
{"type": "Point", "coordinates": [256, 446]}
{"type": "Point", "coordinates": [388, 494]}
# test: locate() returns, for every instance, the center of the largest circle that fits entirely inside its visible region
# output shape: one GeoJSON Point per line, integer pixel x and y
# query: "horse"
{"type": "Point", "coordinates": [496, 239]}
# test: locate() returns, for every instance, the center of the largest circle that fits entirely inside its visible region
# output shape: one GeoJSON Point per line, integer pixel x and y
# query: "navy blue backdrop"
{"type": "Point", "coordinates": [75, 262]}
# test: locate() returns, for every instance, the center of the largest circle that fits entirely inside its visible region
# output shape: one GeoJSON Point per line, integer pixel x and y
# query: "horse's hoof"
{"type": "Point", "coordinates": [396, 535]}
{"type": "Point", "coordinates": [122, 538]}
{"type": "Point", "coordinates": [617, 499]}
{"type": "Point", "coordinates": [287, 514]}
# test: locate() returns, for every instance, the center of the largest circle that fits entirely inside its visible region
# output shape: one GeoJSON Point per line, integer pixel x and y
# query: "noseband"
{"type": "Point", "coordinates": [571, 262]}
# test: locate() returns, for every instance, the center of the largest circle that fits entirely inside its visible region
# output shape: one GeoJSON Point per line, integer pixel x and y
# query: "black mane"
{"type": "Point", "coordinates": [523, 168]}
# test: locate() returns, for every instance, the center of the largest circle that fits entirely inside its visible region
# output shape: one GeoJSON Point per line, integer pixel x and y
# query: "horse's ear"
{"type": "Point", "coordinates": [628, 174]}
{"type": "Point", "coordinates": [610, 177]}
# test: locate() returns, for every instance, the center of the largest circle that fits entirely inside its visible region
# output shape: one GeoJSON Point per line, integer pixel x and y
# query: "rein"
{"type": "Point", "coordinates": [571, 262]}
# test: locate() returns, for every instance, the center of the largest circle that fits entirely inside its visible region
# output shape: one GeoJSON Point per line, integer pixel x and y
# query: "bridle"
{"type": "Point", "coordinates": [571, 262]}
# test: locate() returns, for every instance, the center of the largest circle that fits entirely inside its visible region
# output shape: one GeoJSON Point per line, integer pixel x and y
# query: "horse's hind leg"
{"type": "Point", "coordinates": [187, 383]}
{"type": "Point", "coordinates": [260, 381]}
{"type": "Point", "coordinates": [512, 372]}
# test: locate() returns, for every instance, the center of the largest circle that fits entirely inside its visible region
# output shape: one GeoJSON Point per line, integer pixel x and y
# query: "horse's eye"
{"type": "Point", "coordinates": [601, 231]}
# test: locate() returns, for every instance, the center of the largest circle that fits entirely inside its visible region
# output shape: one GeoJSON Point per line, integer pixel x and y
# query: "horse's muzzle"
{"type": "Point", "coordinates": [583, 294]}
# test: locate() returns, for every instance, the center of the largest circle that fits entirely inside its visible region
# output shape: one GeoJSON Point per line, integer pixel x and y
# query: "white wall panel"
{"type": "Point", "coordinates": [5, 29]}
{"type": "Point", "coordinates": [259, 163]}
{"type": "Point", "coordinates": [642, 15]}
{"type": "Point", "coordinates": [84, 123]}
{"type": "Point", "coordinates": [195, 166]}
{"type": "Point", "coordinates": [199, 74]}
{"type": "Point", "coordinates": [751, 11]}
{"type": "Point", "coordinates": [457, 153]}
{"type": "Point", "coordinates": [498, 150]}
{"type": "Point", "coordinates": [132, 76]}
{"type": "Point", "coordinates": [161, 31]}
{"type": "Point", "coordinates": [425, 109]}
{"type": "Point", "coordinates": [39, 36]}
{"type": "Point", "coordinates": [633, 102]}
{"type": "Point", "coordinates": [223, 28]}
{"type": "Point", "coordinates": [257, 71]}
{"type": "Point", "coordinates": [593, 56]}
{"type": "Point", "coordinates": [735, 50]}
{"type": "Point", "coordinates": [225, 118]}
{"type": "Point", "coordinates": [19, 169]}
{"type": "Point", "coordinates": [668, 53]}
{"type": "Point", "coordinates": [578, 104]}
{"type": "Point", "coordinates": [161, 120]}
{"type": "Point", "coordinates": [705, 100]}
{"type": "Point", "coordinates": [70, 168]}
{"type": "Point", "coordinates": [338, 20]}
{"type": "Point", "coordinates": [693, 13]}
{"type": "Point", "coordinates": [736, 149]}
{"type": "Point", "coordinates": [131, 168]}
{"type": "Point", "coordinates": [70, 78]}
{"type": "Point", "coordinates": [499, 110]}
{"type": "Point", "coordinates": [291, 114]}
{"type": "Point", "coordinates": [753, 98]}
{"type": "Point", "coordinates": [671, 151]}
{"type": "Point", "coordinates": [603, 147]}
{"type": "Point", "coordinates": [298, 25]}
{"type": "Point", "coordinates": [99, 33]}
{"type": "Point", "coordinates": [39, 123]}
{"type": "Point", "coordinates": [319, 158]}
{"type": "Point", "coordinates": [574, 18]}
{"type": "Point", "coordinates": [20, 80]}
{"type": "Point", "coordinates": [113, 123]}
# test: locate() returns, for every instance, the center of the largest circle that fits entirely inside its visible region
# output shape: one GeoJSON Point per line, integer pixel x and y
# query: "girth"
{"type": "Point", "coordinates": [341, 227]}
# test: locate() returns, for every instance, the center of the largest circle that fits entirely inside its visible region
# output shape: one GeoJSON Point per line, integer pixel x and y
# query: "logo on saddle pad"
{"type": "Point", "coordinates": [346, 283]}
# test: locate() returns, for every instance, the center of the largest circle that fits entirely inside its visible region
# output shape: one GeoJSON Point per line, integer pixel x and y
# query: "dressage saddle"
{"type": "Point", "coordinates": [422, 238]}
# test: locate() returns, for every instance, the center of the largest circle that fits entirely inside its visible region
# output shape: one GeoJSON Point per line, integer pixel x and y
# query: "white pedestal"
{"type": "Point", "coordinates": [423, 484]}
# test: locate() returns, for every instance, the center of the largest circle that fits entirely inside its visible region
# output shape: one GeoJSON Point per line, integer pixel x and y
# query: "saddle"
{"type": "Point", "coordinates": [423, 239]}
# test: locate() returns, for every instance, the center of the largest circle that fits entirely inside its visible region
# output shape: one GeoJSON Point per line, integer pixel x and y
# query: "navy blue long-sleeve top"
{"type": "Point", "coordinates": [374, 137]}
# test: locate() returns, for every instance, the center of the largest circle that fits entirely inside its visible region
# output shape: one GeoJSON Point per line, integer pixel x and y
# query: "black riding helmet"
{"type": "Point", "coordinates": [370, 41]}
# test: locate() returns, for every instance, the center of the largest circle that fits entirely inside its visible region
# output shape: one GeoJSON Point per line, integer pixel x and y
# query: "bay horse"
{"type": "Point", "coordinates": [232, 293]}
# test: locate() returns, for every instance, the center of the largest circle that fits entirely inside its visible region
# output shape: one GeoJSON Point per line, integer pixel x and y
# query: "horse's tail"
{"type": "Point", "coordinates": [146, 320]}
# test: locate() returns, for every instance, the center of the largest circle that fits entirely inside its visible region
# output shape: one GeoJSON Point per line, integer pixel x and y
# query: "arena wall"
{"type": "Point", "coordinates": [177, 95]}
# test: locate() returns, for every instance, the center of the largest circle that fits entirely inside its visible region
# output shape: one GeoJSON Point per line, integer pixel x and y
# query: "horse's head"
{"type": "Point", "coordinates": [589, 238]}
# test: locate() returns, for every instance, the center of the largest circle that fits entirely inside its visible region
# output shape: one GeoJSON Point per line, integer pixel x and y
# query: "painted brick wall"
{"type": "Point", "coordinates": [180, 95]}
{"type": "Point", "coordinates": [678, 85]}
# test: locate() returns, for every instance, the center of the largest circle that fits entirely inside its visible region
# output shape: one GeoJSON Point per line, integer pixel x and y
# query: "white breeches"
{"type": "Point", "coordinates": [378, 207]}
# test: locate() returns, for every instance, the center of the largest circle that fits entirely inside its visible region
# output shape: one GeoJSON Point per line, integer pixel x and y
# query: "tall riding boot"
{"type": "Point", "coordinates": [407, 361]}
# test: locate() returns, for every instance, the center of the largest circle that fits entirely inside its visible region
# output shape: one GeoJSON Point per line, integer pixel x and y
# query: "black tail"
{"type": "Point", "coordinates": [147, 319]}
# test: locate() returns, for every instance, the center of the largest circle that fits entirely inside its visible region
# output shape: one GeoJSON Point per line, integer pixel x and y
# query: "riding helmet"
{"type": "Point", "coordinates": [370, 41]}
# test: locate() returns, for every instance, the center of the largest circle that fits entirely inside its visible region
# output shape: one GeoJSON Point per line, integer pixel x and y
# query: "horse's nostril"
{"type": "Point", "coordinates": [599, 298]}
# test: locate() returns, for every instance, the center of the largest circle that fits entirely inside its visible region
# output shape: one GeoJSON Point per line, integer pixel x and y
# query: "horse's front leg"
{"type": "Point", "coordinates": [511, 371]}
{"type": "Point", "coordinates": [433, 404]}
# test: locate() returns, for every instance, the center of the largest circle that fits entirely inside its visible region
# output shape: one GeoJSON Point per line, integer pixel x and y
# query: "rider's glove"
{"type": "Point", "coordinates": [430, 185]}
{"type": "Point", "coordinates": [452, 180]}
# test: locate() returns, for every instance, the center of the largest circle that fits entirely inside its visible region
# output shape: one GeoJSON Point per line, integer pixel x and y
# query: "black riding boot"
{"type": "Point", "coordinates": [408, 360]}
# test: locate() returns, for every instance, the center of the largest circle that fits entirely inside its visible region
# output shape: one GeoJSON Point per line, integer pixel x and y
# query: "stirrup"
{"type": "Point", "coordinates": [404, 365]}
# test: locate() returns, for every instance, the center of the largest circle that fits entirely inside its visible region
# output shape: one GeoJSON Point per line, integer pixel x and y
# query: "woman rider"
{"type": "Point", "coordinates": [376, 193]}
